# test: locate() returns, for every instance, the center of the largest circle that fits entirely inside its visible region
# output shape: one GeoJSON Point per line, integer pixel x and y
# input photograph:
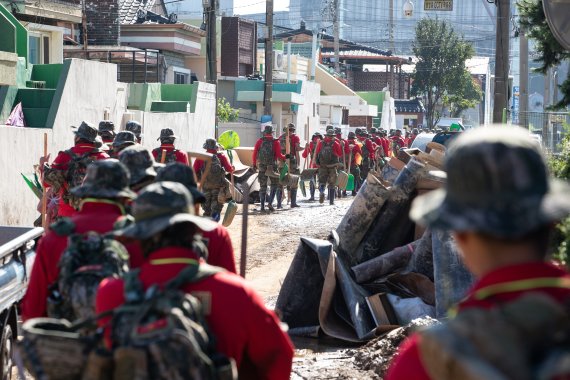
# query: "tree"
{"type": "Point", "coordinates": [225, 111]}
{"type": "Point", "coordinates": [441, 55]}
{"type": "Point", "coordinates": [467, 94]}
{"type": "Point", "coordinates": [532, 21]}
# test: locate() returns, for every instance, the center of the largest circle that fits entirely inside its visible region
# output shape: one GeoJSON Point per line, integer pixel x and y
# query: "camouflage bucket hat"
{"type": "Point", "coordinates": [330, 132]}
{"type": "Point", "coordinates": [87, 132]}
{"type": "Point", "coordinates": [135, 127]}
{"type": "Point", "coordinates": [161, 205]}
{"type": "Point", "coordinates": [268, 130]}
{"type": "Point", "coordinates": [124, 138]}
{"type": "Point", "coordinates": [139, 161]}
{"type": "Point", "coordinates": [291, 126]}
{"type": "Point", "coordinates": [167, 134]}
{"type": "Point", "coordinates": [184, 174]}
{"type": "Point", "coordinates": [105, 179]}
{"type": "Point", "coordinates": [337, 130]}
{"type": "Point", "coordinates": [210, 144]}
{"type": "Point", "coordinates": [497, 183]}
{"type": "Point", "coordinates": [351, 135]}
{"type": "Point", "coordinates": [107, 127]}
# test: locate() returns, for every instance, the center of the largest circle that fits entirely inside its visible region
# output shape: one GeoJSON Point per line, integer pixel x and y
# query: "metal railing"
{"type": "Point", "coordinates": [133, 66]}
{"type": "Point", "coordinates": [552, 127]}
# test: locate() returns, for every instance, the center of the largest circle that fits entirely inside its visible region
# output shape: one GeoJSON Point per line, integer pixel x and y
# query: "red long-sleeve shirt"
{"type": "Point", "coordinates": [93, 216]}
{"type": "Point", "coordinates": [343, 144]}
{"type": "Point", "coordinates": [386, 146]}
{"type": "Point", "coordinates": [337, 150]}
{"type": "Point", "coordinates": [61, 162]}
{"type": "Point", "coordinates": [276, 149]}
{"type": "Point", "coordinates": [199, 164]}
{"type": "Point", "coordinates": [295, 142]}
{"type": "Point", "coordinates": [220, 249]}
{"type": "Point", "coordinates": [408, 363]}
{"type": "Point", "coordinates": [369, 145]}
{"type": "Point", "coordinates": [244, 329]}
{"type": "Point", "coordinates": [181, 156]}
{"type": "Point", "coordinates": [355, 149]}
{"type": "Point", "coordinates": [309, 151]}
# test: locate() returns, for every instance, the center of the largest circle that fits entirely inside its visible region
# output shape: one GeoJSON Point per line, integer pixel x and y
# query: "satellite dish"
{"type": "Point", "coordinates": [557, 12]}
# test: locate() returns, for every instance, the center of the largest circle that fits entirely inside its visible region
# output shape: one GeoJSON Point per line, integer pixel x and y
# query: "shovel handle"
{"type": "Point", "coordinates": [44, 192]}
{"type": "Point", "coordinates": [163, 156]}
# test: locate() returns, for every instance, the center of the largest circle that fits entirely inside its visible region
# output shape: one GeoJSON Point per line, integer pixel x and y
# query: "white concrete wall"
{"type": "Point", "coordinates": [308, 122]}
{"type": "Point", "coordinates": [248, 133]}
{"type": "Point", "coordinates": [90, 92]}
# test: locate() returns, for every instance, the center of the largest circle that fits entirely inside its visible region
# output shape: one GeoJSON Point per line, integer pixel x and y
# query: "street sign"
{"type": "Point", "coordinates": [438, 5]}
{"type": "Point", "coordinates": [556, 12]}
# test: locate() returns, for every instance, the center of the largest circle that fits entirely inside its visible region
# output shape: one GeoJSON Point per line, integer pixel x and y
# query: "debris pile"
{"type": "Point", "coordinates": [378, 270]}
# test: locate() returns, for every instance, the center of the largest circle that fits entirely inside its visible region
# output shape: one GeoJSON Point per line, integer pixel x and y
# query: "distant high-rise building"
{"type": "Point", "coordinates": [192, 9]}
{"type": "Point", "coordinates": [368, 22]}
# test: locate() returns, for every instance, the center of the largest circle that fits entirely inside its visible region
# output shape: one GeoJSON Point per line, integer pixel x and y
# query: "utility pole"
{"type": "Point", "coordinates": [501, 60]}
{"type": "Point", "coordinates": [523, 83]}
{"type": "Point", "coordinates": [211, 48]}
{"type": "Point", "coordinates": [267, 94]}
{"type": "Point", "coordinates": [336, 32]}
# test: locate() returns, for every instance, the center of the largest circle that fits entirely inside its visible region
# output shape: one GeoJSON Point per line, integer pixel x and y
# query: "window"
{"type": "Point", "coordinates": [180, 78]}
{"type": "Point", "coordinates": [34, 50]}
{"type": "Point", "coordinates": [38, 48]}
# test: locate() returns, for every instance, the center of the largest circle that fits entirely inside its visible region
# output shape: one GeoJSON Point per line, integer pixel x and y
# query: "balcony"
{"type": "Point", "coordinates": [59, 10]}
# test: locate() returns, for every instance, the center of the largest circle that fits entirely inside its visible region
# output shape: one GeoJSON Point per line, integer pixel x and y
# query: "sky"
{"type": "Point", "coordinates": [258, 6]}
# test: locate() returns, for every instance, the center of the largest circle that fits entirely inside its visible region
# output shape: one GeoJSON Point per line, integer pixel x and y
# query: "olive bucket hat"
{"type": "Point", "coordinates": [105, 179]}
{"type": "Point", "coordinates": [87, 132]}
{"type": "Point", "coordinates": [139, 161]}
{"type": "Point", "coordinates": [497, 183]}
{"type": "Point", "coordinates": [161, 205]}
{"type": "Point", "coordinates": [184, 174]}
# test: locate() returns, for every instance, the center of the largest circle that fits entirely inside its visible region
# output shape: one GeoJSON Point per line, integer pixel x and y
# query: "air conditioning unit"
{"type": "Point", "coordinates": [278, 60]}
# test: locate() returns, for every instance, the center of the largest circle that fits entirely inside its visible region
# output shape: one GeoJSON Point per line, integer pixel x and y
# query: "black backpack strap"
{"type": "Point", "coordinates": [63, 227]}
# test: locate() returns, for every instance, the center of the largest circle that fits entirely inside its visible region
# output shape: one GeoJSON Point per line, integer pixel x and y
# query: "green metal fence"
{"type": "Point", "coordinates": [551, 127]}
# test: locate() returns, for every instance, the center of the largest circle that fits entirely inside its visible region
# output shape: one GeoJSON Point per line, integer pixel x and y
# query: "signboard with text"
{"type": "Point", "coordinates": [438, 5]}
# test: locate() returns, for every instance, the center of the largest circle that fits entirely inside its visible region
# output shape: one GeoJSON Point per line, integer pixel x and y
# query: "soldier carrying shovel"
{"type": "Point", "coordinates": [328, 154]}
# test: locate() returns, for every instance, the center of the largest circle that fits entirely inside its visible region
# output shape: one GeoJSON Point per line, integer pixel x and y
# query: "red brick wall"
{"type": "Point", "coordinates": [239, 43]}
{"type": "Point", "coordinates": [376, 81]}
{"type": "Point", "coordinates": [360, 121]}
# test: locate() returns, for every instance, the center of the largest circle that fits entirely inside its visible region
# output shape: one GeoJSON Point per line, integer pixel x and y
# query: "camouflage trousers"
{"type": "Point", "coordinates": [263, 179]}
{"type": "Point", "coordinates": [327, 176]}
{"type": "Point", "coordinates": [211, 204]}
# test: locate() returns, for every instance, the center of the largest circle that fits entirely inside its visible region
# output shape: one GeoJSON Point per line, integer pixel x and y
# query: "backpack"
{"type": "Point", "coordinates": [169, 157]}
{"type": "Point", "coordinates": [528, 338]}
{"type": "Point", "coordinates": [326, 155]}
{"type": "Point", "coordinates": [365, 151]}
{"type": "Point", "coordinates": [164, 331]}
{"type": "Point", "coordinates": [216, 175]}
{"type": "Point", "coordinates": [88, 259]}
{"type": "Point", "coordinates": [75, 173]}
{"type": "Point", "coordinates": [265, 154]}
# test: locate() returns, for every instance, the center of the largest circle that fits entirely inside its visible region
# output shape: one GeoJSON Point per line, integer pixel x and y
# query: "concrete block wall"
{"type": "Point", "coordinates": [376, 81]}
{"type": "Point", "coordinates": [103, 22]}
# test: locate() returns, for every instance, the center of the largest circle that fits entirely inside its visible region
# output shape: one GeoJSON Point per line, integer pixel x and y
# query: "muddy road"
{"type": "Point", "coordinates": [272, 241]}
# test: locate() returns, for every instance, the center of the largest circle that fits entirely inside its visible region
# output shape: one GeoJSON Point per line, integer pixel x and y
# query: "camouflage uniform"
{"type": "Point", "coordinates": [265, 154]}
{"type": "Point", "coordinates": [293, 165]}
{"type": "Point", "coordinates": [140, 163]}
{"type": "Point", "coordinates": [213, 183]}
{"type": "Point", "coordinates": [328, 154]}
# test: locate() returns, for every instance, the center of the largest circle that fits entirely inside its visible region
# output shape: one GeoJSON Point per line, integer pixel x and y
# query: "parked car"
{"type": "Point", "coordinates": [17, 254]}
{"type": "Point", "coordinates": [443, 138]}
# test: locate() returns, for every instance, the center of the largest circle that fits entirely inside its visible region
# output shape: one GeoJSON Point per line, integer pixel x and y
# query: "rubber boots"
{"type": "Point", "coordinates": [322, 194]}
{"type": "Point", "coordinates": [279, 198]}
{"type": "Point", "coordinates": [294, 198]}
{"type": "Point", "coordinates": [312, 190]}
{"type": "Point", "coordinates": [332, 193]}
{"type": "Point", "coordinates": [270, 200]}
{"type": "Point", "coordinates": [262, 196]}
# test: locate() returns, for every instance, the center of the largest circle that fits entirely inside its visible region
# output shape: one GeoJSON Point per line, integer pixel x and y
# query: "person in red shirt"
{"type": "Point", "coordinates": [104, 194]}
{"type": "Point", "coordinates": [502, 215]}
{"type": "Point", "coordinates": [328, 154]}
{"type": "Point", "coordinates": [398, 141]}
{"type": "Point", "coordinates": [385, 143]}
{"type": "Point", "coordinates": [293, 163]}
{"type": "Point", "coordinates": [218, 241]}
{"type": "Point", "coordinates": [171, 154]}
{"type": "Point", "coordinates": [354, 152]}
{"type": "Point", "coordinates": [266, 152]}
{"type": "Point", "coordinates": [413, 135]}
{"type": "Point", "coordinates": [63, 170]}
{"type": "Point", "coordinates": [242, 327]}
{"type": "Point", "coordinates": [308, 154]}
{"type": "Point", "coordinates": [215, 182]}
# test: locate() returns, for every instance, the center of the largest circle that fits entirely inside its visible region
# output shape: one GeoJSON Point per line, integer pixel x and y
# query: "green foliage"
{"type": "Point", "coordinates": [441, 57]}
{"type": "Point", "coordinates": [532, 21]}
{"type": "Point", "coordinates": [560, 168]}
{"type": "Point", "coordinates": [467, 94]}
{"type": "Point", "coordinates": [225, 111]}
